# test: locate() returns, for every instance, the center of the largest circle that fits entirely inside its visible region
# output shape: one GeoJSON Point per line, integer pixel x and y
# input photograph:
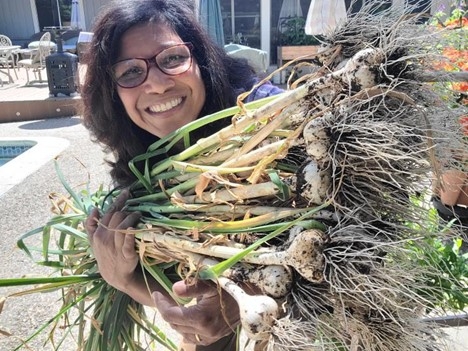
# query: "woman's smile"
{"type": "Point", "coordinates": [164, 107]}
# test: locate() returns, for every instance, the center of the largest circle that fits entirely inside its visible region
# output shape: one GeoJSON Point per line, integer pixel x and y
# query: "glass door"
{"type": "Point", "coordinates": [281, 11]}
{"type": "Point", "coordinates": [241, 22]}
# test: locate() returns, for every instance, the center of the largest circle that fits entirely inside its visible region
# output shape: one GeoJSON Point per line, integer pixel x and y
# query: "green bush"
{"type": "Point", "coordinates": [445, 264]}
{"type": "Point", "coordinates": [292, 33]}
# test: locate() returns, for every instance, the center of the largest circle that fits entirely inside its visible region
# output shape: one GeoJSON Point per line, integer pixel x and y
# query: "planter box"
{"type": "Point", "coordinates": [287, 53]}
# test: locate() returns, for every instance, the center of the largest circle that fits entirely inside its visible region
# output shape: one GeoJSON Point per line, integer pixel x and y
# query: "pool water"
{"type": "Point", "coordinates": [21, 157]}
{"type": "Point", "coordinates": [4, 160]}
{"type": "Point", "coordinates": [9, 151]}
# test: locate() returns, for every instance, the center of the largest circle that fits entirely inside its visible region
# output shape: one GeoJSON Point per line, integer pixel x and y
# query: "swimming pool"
{"type": "Point", "coordinates": [10, 149]}
{"type": "Point", "coordinates": [26, 155]}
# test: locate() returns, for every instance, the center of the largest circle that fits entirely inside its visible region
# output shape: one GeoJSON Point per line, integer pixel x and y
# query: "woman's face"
{"type": "Point", "coordinates": [162, 103]}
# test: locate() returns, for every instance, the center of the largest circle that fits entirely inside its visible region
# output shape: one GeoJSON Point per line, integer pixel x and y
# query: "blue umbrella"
{"type": "Point", "coordinates": [210, 17]}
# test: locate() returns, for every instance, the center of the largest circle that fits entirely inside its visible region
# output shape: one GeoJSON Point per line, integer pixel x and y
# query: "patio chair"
{"type": "Point", "coordinates": [7, 57]}
{"type": "Point", "coordinates": [258, 59]}
{"type": "Point", "coordinates": [5, 41]}
{"type": "Point", "coordinates": [37, 62]}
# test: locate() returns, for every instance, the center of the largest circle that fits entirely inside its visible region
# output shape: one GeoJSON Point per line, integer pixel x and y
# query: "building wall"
{"type": "Point", "coordinates": [91, 9]}
{"type": "Point", "coordinates": [16, 20]}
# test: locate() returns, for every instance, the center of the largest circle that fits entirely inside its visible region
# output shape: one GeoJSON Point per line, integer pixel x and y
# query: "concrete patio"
{"type": "Point", "coordinates": [20, 101]}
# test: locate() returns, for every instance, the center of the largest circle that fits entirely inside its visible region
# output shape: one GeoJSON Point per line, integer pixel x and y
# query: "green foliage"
{"type": "Point", "coordinates": [452, 52]}
{"type": "Point", "coordinates": [444, 263]}
{"type": "Point", "coordinates": [453, 28]}
{"type": "Point", "coordinates": [292, 33]}
{"type": "Point", "coordinates": [65, 10]}
{"type": "Point", "coordinates": [449, 273]}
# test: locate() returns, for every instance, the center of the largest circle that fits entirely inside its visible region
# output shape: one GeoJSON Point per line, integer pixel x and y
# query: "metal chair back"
{"type": "Point", "coordinates": [5, 41]}
{"type": "Point", "coordinates": [43, 50]}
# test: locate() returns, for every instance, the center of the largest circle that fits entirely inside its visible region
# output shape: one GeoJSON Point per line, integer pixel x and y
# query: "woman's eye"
{"type": "Point", "coordinates": [173, 60]}
{"type": "Point", "coordinates": [131, 72]}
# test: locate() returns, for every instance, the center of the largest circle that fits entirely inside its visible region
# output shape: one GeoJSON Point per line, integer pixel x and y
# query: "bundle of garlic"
{"type": "Point", "coordinates": [307, 195]}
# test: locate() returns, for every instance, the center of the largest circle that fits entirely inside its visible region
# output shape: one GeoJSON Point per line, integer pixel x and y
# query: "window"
{"type": "Point", "coordinates": [241, 22]}
{"type": "Point", "coordinates": [49, 16]}
{"type": "Point", "coordinates": [356, 5]}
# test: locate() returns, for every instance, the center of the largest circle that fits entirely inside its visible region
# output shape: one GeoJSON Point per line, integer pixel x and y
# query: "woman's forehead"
{"type": "Point", "coordinates": [147, 39]}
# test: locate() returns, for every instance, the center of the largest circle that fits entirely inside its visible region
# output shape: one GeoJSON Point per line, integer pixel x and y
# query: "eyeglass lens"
{"type": "Point", "coordinates": [171, 61]}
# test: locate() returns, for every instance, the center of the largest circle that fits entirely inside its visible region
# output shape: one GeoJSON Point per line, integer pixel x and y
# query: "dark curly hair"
{"type": "Point", "coordinates": [103, 112]}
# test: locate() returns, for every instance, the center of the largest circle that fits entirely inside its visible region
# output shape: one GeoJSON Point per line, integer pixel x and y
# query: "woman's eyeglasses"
{"type": "Point", "coordinates": [172, 61]}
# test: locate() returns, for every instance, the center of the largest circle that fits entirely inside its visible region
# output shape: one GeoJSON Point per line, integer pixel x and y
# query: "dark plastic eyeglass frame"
{"type": "Point", "coordinates": [152, 61]}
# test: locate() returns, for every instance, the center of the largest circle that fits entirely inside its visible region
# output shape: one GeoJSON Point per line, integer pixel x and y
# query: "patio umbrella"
{"type": "Point", "coordinates": [209, 14]}
{"type": "Point", "coordinates": [289, 9]}
{"type": "Point", "coordinates": [75, 15]}
{"type": "Point", "coordinates": [324, 15]}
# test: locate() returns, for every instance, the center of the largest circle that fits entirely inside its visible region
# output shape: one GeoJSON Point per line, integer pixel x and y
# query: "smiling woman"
{"type": "Point", "coordinates": [25, 156]}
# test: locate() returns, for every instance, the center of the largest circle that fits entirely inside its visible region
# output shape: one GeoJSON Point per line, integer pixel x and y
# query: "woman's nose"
{"type": "Point", "coordinates": [157, 81]}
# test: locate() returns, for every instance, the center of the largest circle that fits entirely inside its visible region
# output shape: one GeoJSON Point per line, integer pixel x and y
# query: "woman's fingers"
{"type": "Point", "coordinates": [94, 218]}
{"type": "Point", "coordinates": [120, 200]}
{"type": "Point", "coordinates": [211, 318]}
{"type": "Point", "coordinates": [182, 289]}
{"type": "Point", "coordinates": [125, 240]}
{"type": "Point", "coordinates": [113, 224]}
{"type": "Point", "coordinates": [119, 224]}
{"type": "Point", "coordinates": [185, 320]}
{"type": "Point", "coordinates": [116, 206]}
{"type": "Point", "coordinates": [92, 222]}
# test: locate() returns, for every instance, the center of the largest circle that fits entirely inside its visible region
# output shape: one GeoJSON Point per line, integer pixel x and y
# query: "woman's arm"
{"type": "Point", "coordinates": [453, 189]}
{"type": "Point", "coordinates": [451, 197]}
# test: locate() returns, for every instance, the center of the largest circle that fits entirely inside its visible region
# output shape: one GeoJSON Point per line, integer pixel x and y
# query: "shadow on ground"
{"type": "Point", "coordinates": [51, 123]}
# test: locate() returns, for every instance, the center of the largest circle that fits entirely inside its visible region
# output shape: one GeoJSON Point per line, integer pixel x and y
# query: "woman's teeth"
{"type": "Point", "coordinates": [167, 106]}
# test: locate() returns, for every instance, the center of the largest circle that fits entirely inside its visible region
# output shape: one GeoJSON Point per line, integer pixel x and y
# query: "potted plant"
{"type": "Point", "coordinates": [293, 41]}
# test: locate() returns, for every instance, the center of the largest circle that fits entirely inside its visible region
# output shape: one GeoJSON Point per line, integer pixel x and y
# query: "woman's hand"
{"type": "Point", "coordinates": [113, 249]}
{"type": "Point", "coordinates": [215, 314]}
